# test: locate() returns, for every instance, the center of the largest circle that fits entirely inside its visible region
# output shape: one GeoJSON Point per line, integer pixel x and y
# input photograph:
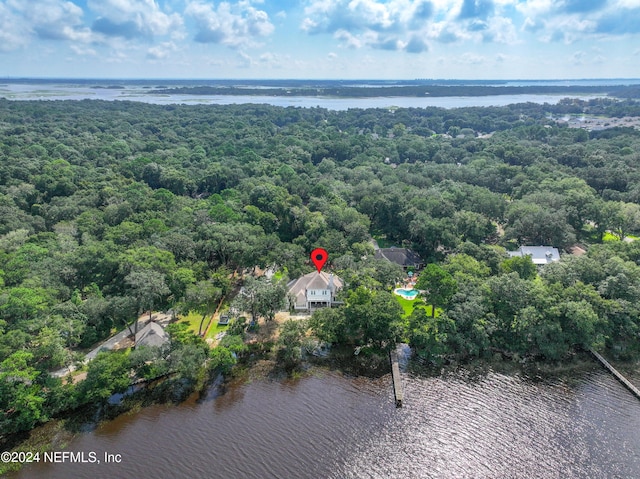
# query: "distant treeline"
{"type": "Point", "coordinates": [621, 91]}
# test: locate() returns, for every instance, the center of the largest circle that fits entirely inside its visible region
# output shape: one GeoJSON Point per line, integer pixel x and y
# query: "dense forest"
{"type": "Point", "coordinates": [109, 209]}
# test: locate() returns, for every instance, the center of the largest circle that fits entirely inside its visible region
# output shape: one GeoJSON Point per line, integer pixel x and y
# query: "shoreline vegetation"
{"type": "Point", "coordinates": [108, 210]}
{"type": "Point", "coordinates": [58, 432]}
{"type": "Point", "coordinates": [618, 91]}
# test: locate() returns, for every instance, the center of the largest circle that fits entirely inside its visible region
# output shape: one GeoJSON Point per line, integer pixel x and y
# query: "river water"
{"type": "Point", "coordinates": [462, 423]}
{"type": "Point", "coordinates": [52, 91]}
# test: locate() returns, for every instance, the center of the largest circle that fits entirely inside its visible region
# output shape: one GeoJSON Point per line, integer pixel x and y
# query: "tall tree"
{"type": "Point", "coordinates": [148, 287]}
{"type": "Point", "coordinates": [21, 399]}
{"type": "Point", "coordinates": [202, 297]}
{"type": "Point", "coordinates": [261, 297]}
{"type": "Point", "coordinates": [438, 284]}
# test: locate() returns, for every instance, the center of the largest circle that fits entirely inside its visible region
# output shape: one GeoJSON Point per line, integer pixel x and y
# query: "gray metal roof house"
{"type": "Point", "coordinates": [402, 256]}
{"type": "Point", "coordinates": [539, 254]}
{"type": "Point", "coordinates": [151, 335]}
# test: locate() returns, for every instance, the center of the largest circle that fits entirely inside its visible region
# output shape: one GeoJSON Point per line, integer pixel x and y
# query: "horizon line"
{"type": "Point", "coordinates": [3, 78]}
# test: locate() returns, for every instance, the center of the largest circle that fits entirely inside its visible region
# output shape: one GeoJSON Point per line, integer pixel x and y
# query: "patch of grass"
{"type": "Point", "coordinates": [278, 275]}
{"type": "Point", "coordinates": [193, 319]}
{"type": "Point", "coordinates": [409, 305]}
{"type": "Point", "coordinates": [215, 329]}
{"type": "Point", "coordinates": [609, 237]}
{"type": "Point", "coordinates": [383, 242]}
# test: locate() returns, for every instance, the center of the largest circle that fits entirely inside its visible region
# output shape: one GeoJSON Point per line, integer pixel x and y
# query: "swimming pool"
{"type": "Point", "coordinates": [409, 294]}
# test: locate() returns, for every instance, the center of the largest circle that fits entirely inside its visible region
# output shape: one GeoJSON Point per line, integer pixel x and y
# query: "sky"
{"type": "Point", "coordinates": [320, 39]}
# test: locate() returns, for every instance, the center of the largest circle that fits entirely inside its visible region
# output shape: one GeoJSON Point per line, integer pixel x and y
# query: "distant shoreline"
{"type": "Point", "coordinates": [619, 91]}
{"type": "Point", "coordinates": [320, 83]}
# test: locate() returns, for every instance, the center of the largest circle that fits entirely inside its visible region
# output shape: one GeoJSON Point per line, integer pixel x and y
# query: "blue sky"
{"type": "Point", "coordinates": [377, 39]}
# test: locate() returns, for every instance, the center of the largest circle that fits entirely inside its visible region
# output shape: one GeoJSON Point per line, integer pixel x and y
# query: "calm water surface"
{"type": "Point", "coordinates": [136, 93]}
{"type": "Point", "coordinates": [460, 424]}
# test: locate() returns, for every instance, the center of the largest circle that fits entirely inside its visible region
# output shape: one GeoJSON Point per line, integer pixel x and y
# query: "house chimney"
{"type": "Point", "coordinates": [331, 285]}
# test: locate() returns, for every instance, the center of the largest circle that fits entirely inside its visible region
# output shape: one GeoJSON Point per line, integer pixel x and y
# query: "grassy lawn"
{"type": "Point", "coordinates": [215, 329]}
{"type": "Point", "coordinates": [383, 242]}
{"type": "Point", "coordinates": [193, 319]}
{"type": "Point", "coordinates": [281, 273]}
{"type": "Point", "coordinates": [609, 237]}
{"type": "Point", "coordinates": [408, 305]}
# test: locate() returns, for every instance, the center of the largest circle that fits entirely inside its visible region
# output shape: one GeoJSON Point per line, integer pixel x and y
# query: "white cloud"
{"type": "Point", "coordinates": [535, 8]}
{"type": "Point", "coordinates": [273, 60]}
{"type": "Point", "coordinates": [330, 16]}
{"type": "Point", "coordinates": [245, 61]}
{"type": "Point", "coordinates": [12, 30]}
{"type": "Point", "coordinates": [20, 22]}
{"type": "Point", "coordinates": [471, 59]}
{"type": "Point", "coordinates": [500, 30]}
{"type": "Point", "coordinates": [569, 21]}
{"type": "Point", "coordinates": [83, 50]}
{"type": "Point", "coordinates": [408, 25]}
{"type": "Point", "coordinates": [133, 18]}
{"type": "Point", "coordinates": [162, 51]}
{"type": "Point", "coordinates": [352, 41]}
{"type": "Point", "coordinates": [51, 19]}
{"type": "Point", "coordinates": [234, 25]}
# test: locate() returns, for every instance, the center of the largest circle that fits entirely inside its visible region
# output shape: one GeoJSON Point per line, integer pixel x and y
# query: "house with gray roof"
{"type": "Point", "coordinates": [314, 290]}
{"type": "Point", "coordinates": [540, 255]}
{"type": "Point", "coordinates": [401, 256]}
{"type": "Point", "coordinates": [152, 335]}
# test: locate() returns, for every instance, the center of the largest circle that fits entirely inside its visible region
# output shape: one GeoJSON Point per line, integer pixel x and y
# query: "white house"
{"type": "Point", "coordinates": [539, 254]}
{"type": "Point", "coordinates": [314, 290]}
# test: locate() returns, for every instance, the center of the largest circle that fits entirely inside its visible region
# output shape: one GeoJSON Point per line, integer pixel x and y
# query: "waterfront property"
{"type": "Point", "coordinates": [151, 335]}
{"type": "Point", "coordinates": [314, 290]}
{"type": "Point", "coordinates": [540, 255]}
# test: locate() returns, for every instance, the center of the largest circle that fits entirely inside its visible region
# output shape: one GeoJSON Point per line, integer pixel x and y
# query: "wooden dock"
{"type": "Point", "coordinates": [617, 375]}
{"type": "Point", "coordinates": [397, 380]}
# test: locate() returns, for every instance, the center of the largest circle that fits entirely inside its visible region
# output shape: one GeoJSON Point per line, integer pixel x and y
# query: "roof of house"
{"type": "Point", "coordinates": [151, 335]}
{"type": "Point", "coordinates": [402, 256]}
{"type": "Point", "coordinates": [539, 254]}
{"type": "Point", "coordinates": [313, 280]}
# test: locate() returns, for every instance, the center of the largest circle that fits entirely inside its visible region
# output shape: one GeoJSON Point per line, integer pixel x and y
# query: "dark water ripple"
{"type": "Point", "coordinates": [462, 424]}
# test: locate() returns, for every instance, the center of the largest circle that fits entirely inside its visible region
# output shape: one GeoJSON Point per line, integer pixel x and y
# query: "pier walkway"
{"type": "Point", "coordinates": [615, 372]}
{"type": "Point", "coordinates": [395, 375]}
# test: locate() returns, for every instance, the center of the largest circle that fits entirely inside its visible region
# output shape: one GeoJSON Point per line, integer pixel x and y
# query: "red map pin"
{"type": "Point", "coordinates": [319, 257]}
